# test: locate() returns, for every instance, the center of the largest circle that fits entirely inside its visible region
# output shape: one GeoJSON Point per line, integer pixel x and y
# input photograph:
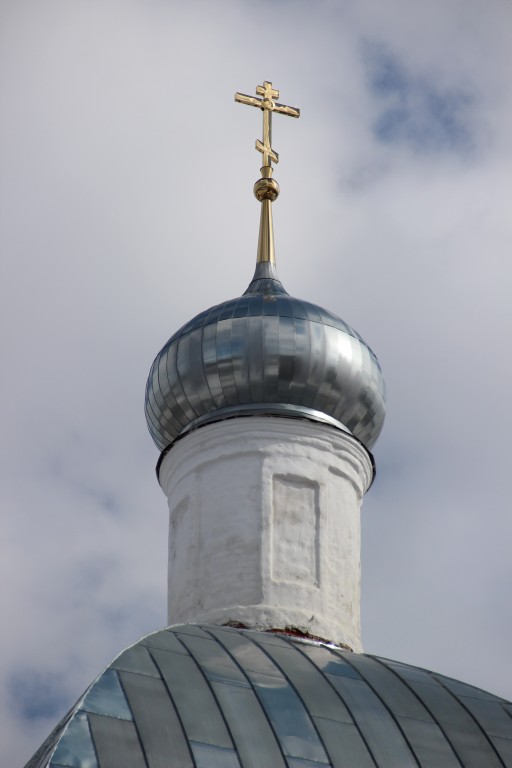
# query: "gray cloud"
{"type": "Point", "coordinates": [416, 111]}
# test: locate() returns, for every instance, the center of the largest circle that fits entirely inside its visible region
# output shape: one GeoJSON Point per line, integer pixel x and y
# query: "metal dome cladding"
{"type": "Point", "coordinates": [265, 352]}
{"type": "Point", "coordinates": [219, 697]}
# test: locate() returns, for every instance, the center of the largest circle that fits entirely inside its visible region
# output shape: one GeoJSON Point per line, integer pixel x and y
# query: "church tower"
{"type": "Point", "coordinates": [265, 409]}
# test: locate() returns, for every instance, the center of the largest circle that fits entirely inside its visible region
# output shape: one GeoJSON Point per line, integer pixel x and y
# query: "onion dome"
{"type": "Point", "coordinates": [218, 697]}
{"type": "Point", "coordinates": [265, 352]}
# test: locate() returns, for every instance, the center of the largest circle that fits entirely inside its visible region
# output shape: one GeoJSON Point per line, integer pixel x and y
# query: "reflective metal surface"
{"type": "Point", "coordinates": [265, 353]}
{"type": "Point", "coordinates": [267, 104]}
{"type": "Point", "coordinates": [217, 697]}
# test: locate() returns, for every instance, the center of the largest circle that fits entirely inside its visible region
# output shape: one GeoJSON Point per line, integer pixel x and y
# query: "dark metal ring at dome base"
{"type": "Point", "coordinates": [265, 409]}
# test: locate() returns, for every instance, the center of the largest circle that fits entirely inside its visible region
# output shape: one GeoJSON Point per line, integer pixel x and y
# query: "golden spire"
{"type": "Point", "coordinates": [266, 188]}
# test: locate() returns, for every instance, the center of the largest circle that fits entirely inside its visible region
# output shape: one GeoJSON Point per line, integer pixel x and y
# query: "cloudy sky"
{"type": "Point", "coordinates": [126, 208]}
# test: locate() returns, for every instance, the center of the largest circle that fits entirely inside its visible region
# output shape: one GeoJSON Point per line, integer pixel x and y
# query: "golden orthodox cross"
{"type": "Point", "coordinates": [267, 104]}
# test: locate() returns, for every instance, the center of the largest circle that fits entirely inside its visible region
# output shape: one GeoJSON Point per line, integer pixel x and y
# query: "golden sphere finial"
{"type": "Point", "coordinates": [266, 189]}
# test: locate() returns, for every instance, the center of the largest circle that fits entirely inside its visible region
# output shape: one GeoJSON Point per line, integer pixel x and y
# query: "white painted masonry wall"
{"type": "Point", "coordinates": [265, 526]}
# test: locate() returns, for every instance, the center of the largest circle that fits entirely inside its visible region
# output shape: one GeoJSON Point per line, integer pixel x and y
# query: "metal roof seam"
{"type": "Point", "coordinates": [209, 685]}
{"type": "Point", "coordinates": [388, 709]}
{"type": "Point", "coordinates": [438, 678]}
{"type": "Point", "coordinates": [443, 731]}
{"type": "Point", "coordinates": [142, 747]}
{"type": "Point", "coordinates": [337, 693]}
{"type": "Point", "coordinates": [171, 699]}
{"type": "Point", "coordinates": [274, 661]}
{"type": "Point", "coordinates": [207, 629]}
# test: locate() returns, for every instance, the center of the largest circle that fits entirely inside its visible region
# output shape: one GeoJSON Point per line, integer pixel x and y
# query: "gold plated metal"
{"type": "Point", "coordinates": [266, 188]}
{"type": "Point", "coordinates": [267, 104]}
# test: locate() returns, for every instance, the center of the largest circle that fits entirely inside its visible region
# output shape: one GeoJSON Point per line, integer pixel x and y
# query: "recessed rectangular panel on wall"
{"type": "Point", "coordinates": [295, 530]}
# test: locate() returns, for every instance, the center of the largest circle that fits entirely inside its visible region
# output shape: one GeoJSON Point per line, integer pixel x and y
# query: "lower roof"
{"type": "Point", "coordinates": [217, 697]}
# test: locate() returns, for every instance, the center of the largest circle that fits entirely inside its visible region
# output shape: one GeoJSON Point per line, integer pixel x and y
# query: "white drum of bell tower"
{"type": "Point", "coordinates": [265, 526]}
{"type": "Point", "coordinates": [265, 408]}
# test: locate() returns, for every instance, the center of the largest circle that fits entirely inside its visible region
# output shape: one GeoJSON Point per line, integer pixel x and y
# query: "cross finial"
{"type": "Point", "coordinates": [268, 104]}
{"type": "Point", "coordinates": [266, 188]}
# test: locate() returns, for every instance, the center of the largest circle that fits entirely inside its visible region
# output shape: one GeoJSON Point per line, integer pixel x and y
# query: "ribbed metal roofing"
{"type": "Point", "coordinates": [217, 697]}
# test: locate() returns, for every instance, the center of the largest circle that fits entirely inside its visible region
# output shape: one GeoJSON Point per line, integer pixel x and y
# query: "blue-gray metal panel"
{"type": "Point", "coordinates": [284, 709]}
{"type": "Point", "coordinates": [270, 370]}
{"type": "Point", "coordinates": [289, 718]}
{"type": "Point", "coordinates": [334, 362]}
{"type": "Point", "coordinates": [191, 629]}
{"type": "Point", "coordinates": [316, 397]}
{"type": "Point", "coordinates": [204, 318]}
{"type": "Point", "coordinates": [395, 695]}
{"type": "Point", "coordinates": [270, 305]}
{"type": "Point", "coordinates": [287, 344]}
{"type": "Point", "coordinates": [377, 727]}
{"type": "Point", "coordinates": [215, 314]}
{"type": "Point", "coordinates": [330, 661]}
{"type": "Point", "coordinates": [316, 693]}
{"type": "Point", "coordinates": [240, 358]}
{"type": "Point", "coordinates": [429, 744]}
{"type": "Point", "coordinates": [247, 654]}
{"type": "Point", "coordinates": [504, 749]}
{"type": "Point", "coordinates": [242, 307]}
{"type": "Point", "coordinates": [157, 420]}
{"type": "Point", "coordinates": [409, 673]}
{"type": "Point", "coordinates": [159, 728]}
{"type": "Point", "coordinates": [255, 358]}
{"type": "Point", "coordinates": [165, 640]}
{"type": "Point", "coordinates": [198, 321]}
{"type": "Point", "coordinates": [468, 741]}
{"type": "Point", "coordinates": [175, 384]}
{"type": "Point", "coordinates": [136, 659]}
{"type": "Point", "coordinates": [306, 310]}
{"type": "Point", "coordinates": [299, 762]}
{"type": "Point", "coordinates": [193, 699]}
{"type": "Point", "coordinates": [254, 739]}
{"type": "Point", "coordinates": [208, 756]}
{"type": "Point", "coordinates": [227, 310]}
{"type": "Point", "coordinates": [75, 748]}
{"type": "Point", "coordinates": [189, 370]}
{"type": "Point", "coordinates": [302, 359]}
{"type": "Point", "coordinates": [198, 390]}
{"type": "Point", "coordinates": [464, 689]}
{"type": "Point", "coordinates": [117, 744]}
{"type": "Point", "coordinates": [495, 721]}
{"type": "Point", "coordinates": [264, 287]}
{"type": "Point", "coordinates": [491, 716]}
{"type": "Point", "coordinates": [314, 364]}
{"type": "Point", "coordinates": [172, 413]}
{"type": "Point", "coordinates": [344, 744]}
{"type": "Point", "coordinates": [160, 393]}
{"type": "Point", "coordinates": [225, 361]}
{"type": "Point", "coordinates": [285, 306]}
{"type": "Point", "coordinates": [214, 660]}
{"type": "Point", "coordinates": [269, 638]}
{"type": "Point", "coordinates": [211, 365]}
{"type": "Point", "coordinates": [106, 697]}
